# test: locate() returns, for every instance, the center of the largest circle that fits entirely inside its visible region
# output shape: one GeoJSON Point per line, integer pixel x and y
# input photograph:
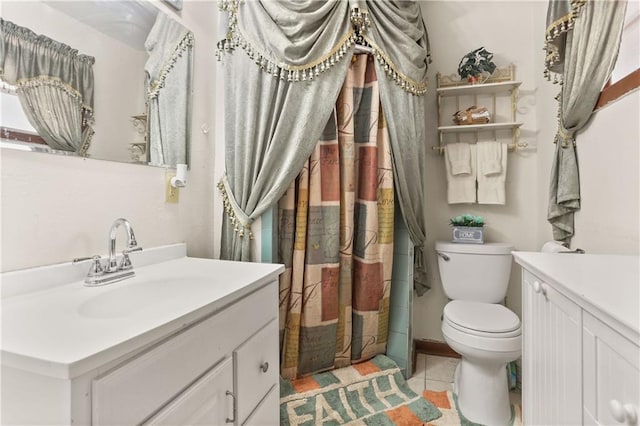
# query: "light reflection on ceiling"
{"type": "Point", "coordinates": [127, 21]}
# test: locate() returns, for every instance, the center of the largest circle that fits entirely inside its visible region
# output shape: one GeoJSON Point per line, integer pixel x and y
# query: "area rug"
{"type": "Point", "coordinates": [447, 403]}
{"type": "Point", "coordinates": [369, 393]}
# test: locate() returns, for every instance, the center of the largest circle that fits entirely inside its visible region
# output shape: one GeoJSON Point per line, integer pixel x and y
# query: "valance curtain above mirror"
{"type": "Point", "coordinates": [169, 70]}
{"type": "Point", "coordinates": [582, 42]}
{"type": "Point", "coordinates": [284, 64]}
{"type": "Point", "coordinates": [54, 84]}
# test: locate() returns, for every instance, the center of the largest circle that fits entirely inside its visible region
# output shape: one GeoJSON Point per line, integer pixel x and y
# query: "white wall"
{"type": "Point", "coordinates": [505, 29]}
{"type": "Point", "coordinates": [608, 149]}
{"type": "Point", "coordinates": [55, 208]}
{"type": "Point", "coordinates": [609, 220]}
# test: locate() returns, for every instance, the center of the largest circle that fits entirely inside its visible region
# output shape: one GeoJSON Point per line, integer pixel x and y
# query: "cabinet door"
{"type": "Point", "coordinates": [551, 358]}
{"type": "Point", "coordinates": [256, 369]}
{"type": "Point", "coordinates": [206, 402]}
{"type": "Point", "coordinates": [611, 375]}
{"type": "Point", "coordinates": [265, 414]}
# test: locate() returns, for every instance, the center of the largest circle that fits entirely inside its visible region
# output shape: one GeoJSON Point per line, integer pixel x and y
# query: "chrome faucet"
{"type": "Point", "coordinates": [112, 265]}
{"type": "Point", "coordinates": [113, 271]}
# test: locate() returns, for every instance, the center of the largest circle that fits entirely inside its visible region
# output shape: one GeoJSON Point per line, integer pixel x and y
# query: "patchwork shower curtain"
{"type": "Point", "coordinates": [336, 237]}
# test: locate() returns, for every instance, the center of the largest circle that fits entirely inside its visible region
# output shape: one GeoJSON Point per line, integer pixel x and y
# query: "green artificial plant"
{"type": "Point", "coordinates": [467, 220]}
{"type": "Point", "coordinates": [476, 63]}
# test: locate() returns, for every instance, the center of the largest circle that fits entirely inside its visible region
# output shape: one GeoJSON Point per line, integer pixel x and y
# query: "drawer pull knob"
{"type": "Point", "coordinates": [539, 288]}
{"type": "Point", "coordinates": [631, 414]}
{"type": "Point", "coordinates": [616, 410]}
{"type": "Point", "coordinates": [264, 367]}
{"type": "Point", "coordinates": [623, 413]}
{"type": "Point", "coordinates": [233, 402]}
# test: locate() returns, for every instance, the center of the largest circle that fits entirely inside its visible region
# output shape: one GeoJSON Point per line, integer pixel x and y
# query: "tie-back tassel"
{"type": "Point", "coordinates": [238, 228]}
{"type": "Point", "coordinates": [566, 139]}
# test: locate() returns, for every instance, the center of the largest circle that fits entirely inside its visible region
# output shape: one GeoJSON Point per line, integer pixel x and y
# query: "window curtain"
{"type": "Point", "coordinates": [582, 42]}
{"type": "Point", "coordinates": [280, 93]}
{"type": "Point", "coordinates": [54, 84]}
{"type": "Point", "coordinates": [169, 70]}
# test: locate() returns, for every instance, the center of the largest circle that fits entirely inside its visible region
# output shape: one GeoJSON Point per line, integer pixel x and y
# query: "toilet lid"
{"type": "Point", "coordinates": [482, 318]}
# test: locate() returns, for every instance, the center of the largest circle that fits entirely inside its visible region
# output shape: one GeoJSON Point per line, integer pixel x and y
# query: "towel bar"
{"type": "Point", "coordinates": [511, 147]}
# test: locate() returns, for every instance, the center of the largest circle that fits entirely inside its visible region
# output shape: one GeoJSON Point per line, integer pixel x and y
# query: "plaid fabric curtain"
{"type": "Point", "coordinates": [336, 238]}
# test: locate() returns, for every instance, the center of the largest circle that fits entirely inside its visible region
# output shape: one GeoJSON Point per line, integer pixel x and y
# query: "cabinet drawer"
{"type": "Point", "coordinates": [256, 364]}
{"type": "Point", "coordinates": [206, 402]}
{"type": "Point", "coordinates": [611, 373]}
{"type": "Point", "coordinates": [135, 390]}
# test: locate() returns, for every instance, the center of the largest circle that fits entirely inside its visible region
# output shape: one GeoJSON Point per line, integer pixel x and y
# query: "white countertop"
{"type": "Point", "coordinates": [66, 330]}
{"type": "Point", "coordinates": [606, 285]}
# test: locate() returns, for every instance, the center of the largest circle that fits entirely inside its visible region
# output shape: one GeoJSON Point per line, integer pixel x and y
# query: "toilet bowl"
{"type": "Point", "coordinates": [476, 325]}
{"type": "Point", "coordinates": [488, 337]}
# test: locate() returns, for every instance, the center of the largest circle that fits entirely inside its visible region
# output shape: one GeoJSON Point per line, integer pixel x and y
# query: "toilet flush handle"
{"type": "Point", "coordinates": [443, 256]}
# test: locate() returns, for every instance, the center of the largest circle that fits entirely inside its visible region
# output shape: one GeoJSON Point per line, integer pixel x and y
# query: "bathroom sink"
{"type": "Point", "coordinates": [53, 324]}
{"type": "Point", "coordinates": [138, 295]}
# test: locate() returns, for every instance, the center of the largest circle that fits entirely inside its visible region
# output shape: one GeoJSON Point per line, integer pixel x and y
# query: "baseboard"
{"type": "Point", "coordinates": [432, 347]}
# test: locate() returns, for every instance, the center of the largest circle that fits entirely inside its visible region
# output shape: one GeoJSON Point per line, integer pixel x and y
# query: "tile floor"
{"type": "Point", "coordinates": [436, 373]}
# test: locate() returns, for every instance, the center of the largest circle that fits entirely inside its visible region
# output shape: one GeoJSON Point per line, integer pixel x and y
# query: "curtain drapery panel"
{"type": "Point", "coordinates": [169, 72]}
{"type": "Point", "coordinates": [582, 43]}
{"type": "Point", "coordinates": [284, 65]}
{"type": "Point", "coordinates": [55, 85]}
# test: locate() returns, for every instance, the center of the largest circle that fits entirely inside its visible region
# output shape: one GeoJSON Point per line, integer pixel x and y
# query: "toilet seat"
{"type": "Point", "coordinates": [482, 319]}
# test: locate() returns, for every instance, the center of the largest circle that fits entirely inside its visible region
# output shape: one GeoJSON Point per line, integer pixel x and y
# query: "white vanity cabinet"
{"type": "Point", "coordinates": [200, 363]}
{"type": "Point", "coordinates": [206, 355]}
{"type": "Point", "coordinates": [581, 339]}
{"type": "Point", "coordinates": [551, 359]}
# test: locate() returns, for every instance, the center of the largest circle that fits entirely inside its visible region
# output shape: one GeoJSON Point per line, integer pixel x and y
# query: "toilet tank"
{"type": "Point", "coordinates": [477, 272]}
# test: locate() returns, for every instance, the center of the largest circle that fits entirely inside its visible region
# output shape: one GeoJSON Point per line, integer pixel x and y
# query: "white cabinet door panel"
{"type": "Point", "coordinates": [267, 413]}
{"type": "Point", "coordinates": [552, 366]}
{"type": "Point", "coordinates": [611, 375]}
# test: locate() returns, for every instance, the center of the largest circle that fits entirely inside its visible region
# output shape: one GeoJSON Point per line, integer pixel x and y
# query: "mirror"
{"type": "Point", "coordinates": [142, 77]}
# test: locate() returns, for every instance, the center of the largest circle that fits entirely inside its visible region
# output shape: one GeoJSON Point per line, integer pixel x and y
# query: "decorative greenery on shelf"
{"type": "Point", "coordinates": [476, 63]}
{"type": "Point", "coordinates": [467, 220]}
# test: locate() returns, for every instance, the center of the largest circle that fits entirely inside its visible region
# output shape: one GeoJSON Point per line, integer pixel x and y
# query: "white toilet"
{"type": "Point", "coordinates": [485, 333]}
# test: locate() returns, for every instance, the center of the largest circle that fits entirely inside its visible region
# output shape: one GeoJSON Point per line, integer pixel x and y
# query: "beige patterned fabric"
{"type": "Point", "coordinates": [336, 238]}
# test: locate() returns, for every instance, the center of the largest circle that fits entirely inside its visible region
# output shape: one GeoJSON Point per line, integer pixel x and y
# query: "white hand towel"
{"type": "Point", "coordinates": [459, 157]}
{"type": "Point", "coordinates": [461, 188]}
{"type": "Point", "coordinates": [492, 172]}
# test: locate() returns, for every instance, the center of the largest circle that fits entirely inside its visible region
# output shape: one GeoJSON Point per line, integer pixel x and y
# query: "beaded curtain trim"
{"type": "Point", "coordinates": [45, 80]}
{"type": "Point", "coordinates": [184, 44]}
{"type": "Point", "coordinates": [87, 111]}
{"type": "Point", "coordinates": [294, 73]}
{"type": "Point", "coordinates": [241, 223]}
{"type": "Point", "coordinates": [557, 28]}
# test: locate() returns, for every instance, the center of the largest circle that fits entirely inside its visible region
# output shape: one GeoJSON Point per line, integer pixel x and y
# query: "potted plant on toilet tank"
{"type": "Point", "coordinates": [467, 228]}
